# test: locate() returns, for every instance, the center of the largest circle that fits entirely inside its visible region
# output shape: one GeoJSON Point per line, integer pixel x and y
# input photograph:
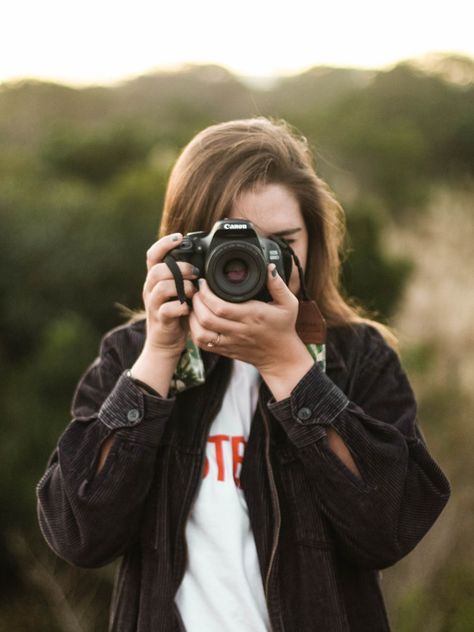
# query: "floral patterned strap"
{"type": "Point", "coordinates": [190, 370]}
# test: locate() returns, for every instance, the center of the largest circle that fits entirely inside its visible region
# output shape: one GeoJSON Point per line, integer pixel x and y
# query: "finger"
{"type": "Point", "coordinates": [219, 307]}
{"type": "Point", "coordinates": [158, 251]}
{"type": "Point", "coordinates": [279, 291]}
{"type": "Point", "coordinates": [165, 290]}
{"type": "Point", "coordinates": [199, 334]}
{"type": "Point", "coordinates": [161, 272]}
{"type": "Point", "coordinates": [171, 310]}
{"type": "Point", "coordinates": [211, 322]}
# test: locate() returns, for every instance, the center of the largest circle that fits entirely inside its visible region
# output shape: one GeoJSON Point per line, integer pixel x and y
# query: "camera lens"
{"type": "Point", "coordinates": [236, 270]}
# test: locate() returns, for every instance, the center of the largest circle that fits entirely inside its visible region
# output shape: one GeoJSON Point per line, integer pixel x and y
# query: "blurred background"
{"type": "Point", "coordinates": [95, 105]}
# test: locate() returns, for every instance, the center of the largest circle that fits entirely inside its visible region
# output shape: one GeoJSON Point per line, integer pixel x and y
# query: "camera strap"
{"type": "Point", "coordinates": [191, 372]}
{"type": "Point", "coordinates": [178, 279]}
{"type": "Point", "coordinates": [310, 326]}
{"type": "Point", "coordinates": [310, 323]}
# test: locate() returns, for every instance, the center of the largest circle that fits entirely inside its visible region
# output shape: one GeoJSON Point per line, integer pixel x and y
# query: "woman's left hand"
{"type": "Point", "coordinates": [260, 333]}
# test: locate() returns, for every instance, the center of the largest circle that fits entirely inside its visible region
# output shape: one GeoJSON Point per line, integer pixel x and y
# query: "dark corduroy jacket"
{"type": "Point", "coordinates": [321, 532]}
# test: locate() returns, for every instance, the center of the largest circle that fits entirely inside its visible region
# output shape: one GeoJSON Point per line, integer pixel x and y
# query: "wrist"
{"type": "Point", "coordinates": [163, 353]}
{"type": "Point", "coordinates": [282, 377]}
{"type": "Point", "coordinates": [155, 370]}
{"type": "Point", "coordinates": [142, 385]}
{"type": "Point", "coordinates": [291, 354]}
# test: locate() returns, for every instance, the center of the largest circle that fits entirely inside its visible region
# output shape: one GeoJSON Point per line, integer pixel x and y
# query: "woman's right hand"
{"type": "Point", "coordinates": [166, 321]}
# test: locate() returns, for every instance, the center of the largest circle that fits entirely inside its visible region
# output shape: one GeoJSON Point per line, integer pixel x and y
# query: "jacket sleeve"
{"type": "Point", "coordinates": [380, 518]}
{"type": "Point", "coordinates": [89, 519]}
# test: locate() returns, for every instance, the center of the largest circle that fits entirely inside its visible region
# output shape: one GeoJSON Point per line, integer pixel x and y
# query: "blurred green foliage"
{"type": "Point", "coordinates": [83, 180]}
{"type": "Point", "coordinates": [369, 272]}
{"type": "Point", "coordinates": [95, 156]}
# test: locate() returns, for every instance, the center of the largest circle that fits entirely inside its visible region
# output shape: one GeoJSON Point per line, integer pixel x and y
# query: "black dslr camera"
{"type": "Point", "coordinates": [233, 259]}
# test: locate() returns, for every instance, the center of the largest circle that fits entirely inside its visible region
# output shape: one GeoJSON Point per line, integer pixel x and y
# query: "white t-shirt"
{"type": "Point", "coordinates": [222, 588]}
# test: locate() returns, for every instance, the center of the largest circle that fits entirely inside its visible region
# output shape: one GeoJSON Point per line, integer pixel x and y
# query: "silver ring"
{"type": "Point", "coordinates": [214, 342]}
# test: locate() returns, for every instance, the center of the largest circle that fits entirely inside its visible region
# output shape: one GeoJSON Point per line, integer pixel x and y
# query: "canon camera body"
{"type": "Point", "coordinates": [233, 259]}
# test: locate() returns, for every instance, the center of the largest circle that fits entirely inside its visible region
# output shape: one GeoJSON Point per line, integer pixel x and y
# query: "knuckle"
{"type": "Point", "coordinates": [157, 270]}
{"type": "Point", "coordinates": [163, 310]}
{"type": "Point", "coordinates": [157, 294]}
{"type": "Point", "coordinates": [150, 280]}
{"type": "Point", "coordinates": [200, 337]}
{"type": "Point", "coordinates": [150, 257]}
{"type": "Point", "coordinates": [186, 268]}
{"type": "Point", "coordinates": [157, 250]}
{"type": "Point", "coordinates": [257, 315]}
{"type": "Point", "coordinates": [207, 322]}
{"type": "Point", "coordinates": [168, 309]}
{"type": "Point", "coordinates": [154, 317]}
{"type": "Point", "coordinates": [221, 311]}
{"type": "Point", "coordinates": [158, 287]}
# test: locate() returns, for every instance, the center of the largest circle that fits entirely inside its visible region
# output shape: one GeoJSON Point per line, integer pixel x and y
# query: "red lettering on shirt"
{"type": "Point", "coordinates": [217, 440]}
{"type": "Point", "coordinates": [238, 444]}
{"type": "Point", "coordinates": [237, 458]}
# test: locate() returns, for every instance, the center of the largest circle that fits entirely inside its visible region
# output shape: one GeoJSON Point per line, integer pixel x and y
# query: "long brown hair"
{"type": "Point", "coordinates": [228, 158]}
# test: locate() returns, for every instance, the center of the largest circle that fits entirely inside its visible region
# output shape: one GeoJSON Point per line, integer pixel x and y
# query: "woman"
{"type": "Point", "coordinates": [247, 486]}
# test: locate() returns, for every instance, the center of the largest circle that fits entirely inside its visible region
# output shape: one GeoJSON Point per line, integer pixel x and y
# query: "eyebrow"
{"type": "Point", "coordinates": [289, 231]}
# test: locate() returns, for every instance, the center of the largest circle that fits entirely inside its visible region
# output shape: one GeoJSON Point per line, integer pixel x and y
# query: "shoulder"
{"type": "Point", "coordinates": [366, 367]}
{"type": "Point", "coordinates": [357, 344]}
{"type": "Point", "coordinates": [124, 341]}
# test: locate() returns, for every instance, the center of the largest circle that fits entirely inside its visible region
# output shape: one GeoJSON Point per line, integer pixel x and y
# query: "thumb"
{"type": "Point", "coordinates": [276, 286]}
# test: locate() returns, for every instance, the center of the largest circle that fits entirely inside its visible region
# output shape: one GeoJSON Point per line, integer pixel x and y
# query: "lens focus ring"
{"type": "Point", "coordinates": [222, 274]}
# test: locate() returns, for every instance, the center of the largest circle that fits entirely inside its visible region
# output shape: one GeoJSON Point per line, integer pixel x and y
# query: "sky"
{"type": "Point", "coordinates": [104, 41]}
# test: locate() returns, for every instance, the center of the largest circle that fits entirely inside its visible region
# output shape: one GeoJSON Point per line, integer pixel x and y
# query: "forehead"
{"type": "Point", "coordinates": [271, 207]}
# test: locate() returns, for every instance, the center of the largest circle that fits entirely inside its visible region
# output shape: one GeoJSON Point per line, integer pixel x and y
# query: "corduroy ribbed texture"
{"type": "Point", "coordinates": [336, 531]}
{"type": "Point", "coordinates": [321, 402]}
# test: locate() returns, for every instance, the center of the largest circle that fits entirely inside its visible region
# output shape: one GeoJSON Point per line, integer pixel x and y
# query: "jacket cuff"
{"type": "Point", "coordinates": [141, 415]}
{"type": "Point", "coordinates": [312, 405]}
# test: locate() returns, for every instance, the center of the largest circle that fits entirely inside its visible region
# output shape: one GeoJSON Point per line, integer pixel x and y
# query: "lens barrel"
{"type": "Point", "coordinates": [236, 271]}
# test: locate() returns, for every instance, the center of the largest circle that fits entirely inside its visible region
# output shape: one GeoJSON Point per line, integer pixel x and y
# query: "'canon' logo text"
{"type": "Point", "coordinates": [235, 225]}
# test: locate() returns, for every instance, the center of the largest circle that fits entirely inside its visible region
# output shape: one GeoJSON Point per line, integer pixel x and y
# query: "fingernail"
{"type": "Point", "coordinates": [175, 237]}
{"type": "Point", "coordinates": [201, 282]}
{"type": "Point", "coordinates": [196, 271]}
{"type": "Point", "coordinates": [274, 271]}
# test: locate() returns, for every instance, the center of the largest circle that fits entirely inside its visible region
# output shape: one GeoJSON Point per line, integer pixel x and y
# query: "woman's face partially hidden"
{"type": "Point", "coordinates": [273, 209]}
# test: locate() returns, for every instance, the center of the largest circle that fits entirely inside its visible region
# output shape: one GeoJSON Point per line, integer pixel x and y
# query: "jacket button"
{"type": "Point", "coordinates": [133, 414]}
{"type": "Point", "coordinates": [304, 413]}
